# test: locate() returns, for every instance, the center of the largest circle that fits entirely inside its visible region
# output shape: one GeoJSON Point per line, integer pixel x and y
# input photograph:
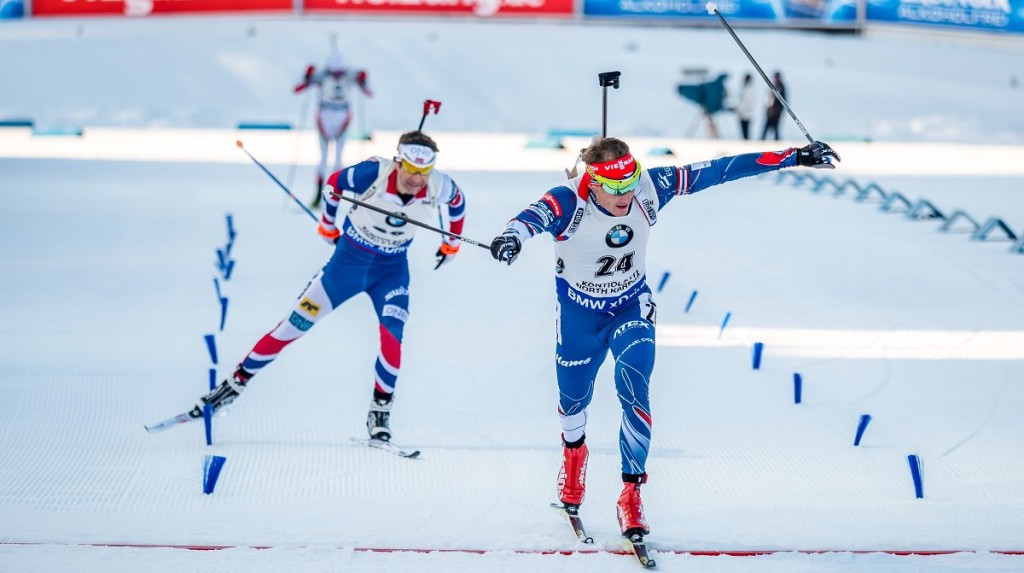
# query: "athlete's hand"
{"type": "Point", "coordinates": [819, 155]}
{"type": "Point", "coordinates": [446, 253]}
{"type": "Point", "coordinates": [505, 248]}
{"type": "Point", "coordinates": [329, 236]}
{"type": "Point", "coordinates": [309, 73]}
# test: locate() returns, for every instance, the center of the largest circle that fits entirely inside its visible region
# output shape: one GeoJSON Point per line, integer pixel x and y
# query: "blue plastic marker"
{"type": "Point", "coordinates": [208, 423]}
{"type": "Point", "coordinates": [915, 472]}
{"type": "Point", "coordinates": [211, 346]}
{"type": "Point", "coordinates": [861, 426]}
{"type": "Point", "coordinates": [231, 228]}
{"type": "Point", "coordinates": [725, 321]}
{"type": "Point", "coordinates": [227, 271]}
{"type": "Point", "coordinates": [798, 387]}
{"type": "Point", "coordinates": [664, 279]}
{"type": "Point", "coordinates": [211, 471]}
{"type": "Point", "coordinates": [223, 313]}
{"type": "Point", "coordinates": [758, 348]}
{"type": "Point", "coordinates": [213, 378]}
{"type": "Point", "coordinates": [216, 287]}
{"type": "Point", "coordinates": [689, 303]}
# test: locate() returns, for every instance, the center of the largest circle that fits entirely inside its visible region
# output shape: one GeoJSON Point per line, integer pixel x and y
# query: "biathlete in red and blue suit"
{"type": "Point", "coordinates": [601, 221]}
{"type": "Point", "coordinates": [369, 256]}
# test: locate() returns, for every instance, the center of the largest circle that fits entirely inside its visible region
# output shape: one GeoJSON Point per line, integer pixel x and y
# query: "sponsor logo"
{"type": "Point", "coordinates": [395, 312]}
{"type": "Point", "coordinates": [652, 213]}
{"type": "Point", "coordinates": [395, 221]}
{"type": "Point", "coordinates": [606, 288]}
{"type": "Point", "coordinates": [698, 165]}
{"type": "Point", "coordinates": [559, 266]}
{"type": "Point", "coordinates": [309, 306]}
{"type": "Point", "coordinates": [358, 238]}
{"type": "Point", "coordinates": [619, 236]}
{"type": "Point", "coordinates": [556, 208]}
{"type": "Point", "coordinates": [543, 213]}
{"type": "Point", "coordinates": [570, 363]}
{"type": "Point", "coordinates": [575, 221]}
{"type": "Point", "coordinates": [628, 325]}
{"type": "Point", "coordinates": [397, 292]}
{"type": "Point", "coordinates": [299, 322]}
{"type": "Point", "coordinates": [586, 302]}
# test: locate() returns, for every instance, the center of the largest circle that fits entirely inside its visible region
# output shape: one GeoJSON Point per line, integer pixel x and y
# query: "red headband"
{"type": "Point", "coordinates": [621, 168]}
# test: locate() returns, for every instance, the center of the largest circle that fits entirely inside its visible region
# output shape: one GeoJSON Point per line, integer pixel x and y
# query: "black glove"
{"type": "Point", "coordinates": [818, 155]}
{"type": "Point", "coordinates": [505, 248]}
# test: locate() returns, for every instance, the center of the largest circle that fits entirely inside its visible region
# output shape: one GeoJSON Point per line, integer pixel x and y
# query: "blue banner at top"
{"type": "Point", "coordinates": [1006, 15]}
{"type": "Point", "coordinates": [801, 12]}
{"type": "Point", "coordinates": [10, 9]}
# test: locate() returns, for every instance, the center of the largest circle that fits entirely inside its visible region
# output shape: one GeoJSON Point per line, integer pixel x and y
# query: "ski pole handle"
{"type": "Point", "coordinates": [428, 105]}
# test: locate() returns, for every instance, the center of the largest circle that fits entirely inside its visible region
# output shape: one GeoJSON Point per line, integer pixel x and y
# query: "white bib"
{"type": "Point", "coordinates": [601, 261]}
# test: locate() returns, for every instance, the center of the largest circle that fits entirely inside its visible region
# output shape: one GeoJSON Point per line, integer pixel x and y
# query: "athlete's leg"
{"type": "Point", "coordinates": [339, 141]}
{"type": "Point", "coordinates": [579, 352]}
{"type": "Point", "coordinates": [389, 290]}
{"type": "Point", "coordinates": [312, 305]}
{"type": "Point", "coordinates": [631, 339]}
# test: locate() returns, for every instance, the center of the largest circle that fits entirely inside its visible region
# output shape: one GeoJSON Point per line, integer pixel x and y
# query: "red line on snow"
{"type": "Point", "coordinates": [695, 553]}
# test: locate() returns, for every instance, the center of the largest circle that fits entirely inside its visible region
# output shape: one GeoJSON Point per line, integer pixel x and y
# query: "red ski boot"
{"type": "Point", "coordinates": [572, 478]}
{"type": "Point", "coordinates": [631, 509]}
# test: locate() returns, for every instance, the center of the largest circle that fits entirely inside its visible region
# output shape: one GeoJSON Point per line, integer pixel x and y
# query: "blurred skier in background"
{"type": "Point", "coordinates": [334, 113]}
{"type": "Point", "coordinates": [600, 222]}
{"type": "Point", "coordinates": [370, 256]}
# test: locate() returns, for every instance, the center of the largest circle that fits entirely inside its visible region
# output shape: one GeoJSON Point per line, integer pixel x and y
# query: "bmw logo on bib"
{"type": "Point", "coordinates": [396, 222]}
{"type": "Point", "coordinates": [619, 236]}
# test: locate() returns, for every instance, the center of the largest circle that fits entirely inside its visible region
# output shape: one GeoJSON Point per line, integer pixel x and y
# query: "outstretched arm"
{"type": "Point", "coordinates": [552, 213]}
{"type": "Point", "coordinates": [307, 80]}
{"type": "Point", "coordinates": [674, 181]}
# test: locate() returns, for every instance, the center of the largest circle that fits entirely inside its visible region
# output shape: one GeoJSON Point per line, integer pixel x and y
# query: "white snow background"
{"type": "Point", "coordinates": [107, 245]}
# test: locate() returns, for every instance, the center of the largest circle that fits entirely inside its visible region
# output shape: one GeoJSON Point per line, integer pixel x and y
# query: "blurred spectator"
{"type": "Point", "coordinates": [773, 113]}
{"type": "Point", "coordinates": [745, 105]}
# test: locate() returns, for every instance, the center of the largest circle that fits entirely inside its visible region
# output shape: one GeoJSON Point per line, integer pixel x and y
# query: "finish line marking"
{"type": "Point", "coordinates": [693, 552]}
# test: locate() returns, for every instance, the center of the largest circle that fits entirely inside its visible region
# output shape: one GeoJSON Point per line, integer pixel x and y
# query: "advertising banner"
{"type": "Point", "coordinates": [1005, 15]}
{"type": "Point", "coordinates": [150, 7]}
{"type": "Point", "coordinates": [477, 8]}
{"type": "Point", "coordinates": [795, 12]}
{"type": "Point", "coordinates": [10, 9]}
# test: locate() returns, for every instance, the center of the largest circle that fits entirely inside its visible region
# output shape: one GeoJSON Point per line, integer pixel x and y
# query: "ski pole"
{"type": "Point", "coordinates": [279, 184]}
{"type": "Point", "coordinates": [713, 9]}
{"type": "Point", "coordinates": [606, 80]}
{"type": "Point", "coordinates": [408, 220]}
{"type": "Point", "coordinates": [428, 105]}
{"type": "Point", "coordinates": [361, 204]}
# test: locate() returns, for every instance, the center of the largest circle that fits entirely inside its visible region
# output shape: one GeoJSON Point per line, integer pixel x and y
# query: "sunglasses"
{"type": "Point", "coordinates": [413, 169]}
{"type": "Point", "coordinates": [618, 186]}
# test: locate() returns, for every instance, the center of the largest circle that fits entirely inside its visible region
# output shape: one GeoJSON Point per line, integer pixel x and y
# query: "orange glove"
{"type": "Point", "coordinates": [329, 236]}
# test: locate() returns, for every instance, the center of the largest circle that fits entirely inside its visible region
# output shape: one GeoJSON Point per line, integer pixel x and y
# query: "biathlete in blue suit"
{"type": "Point", "coordinates": [369, 257]}
{"type": "Point", "coordinates": [600, 221]}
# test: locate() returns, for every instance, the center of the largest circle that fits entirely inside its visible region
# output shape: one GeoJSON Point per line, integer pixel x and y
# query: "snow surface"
{"type": "Point", "coordinates": [107, 244]}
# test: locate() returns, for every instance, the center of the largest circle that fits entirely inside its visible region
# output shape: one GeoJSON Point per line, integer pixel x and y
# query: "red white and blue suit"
{"type": "Point", "coordinates": [603, 301]}
{"type": "Point", "coordinates": [370, 257]}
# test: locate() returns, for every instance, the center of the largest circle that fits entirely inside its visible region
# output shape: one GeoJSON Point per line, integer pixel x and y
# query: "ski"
{"type": "Point", "coordinates": [183, 418]}
{"type": "Point", "coordinates": [639, 547]}
{"type": "Point", "coordinates": [572, 513]}
{"type": "Point", "coordinates": [388, 447]}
